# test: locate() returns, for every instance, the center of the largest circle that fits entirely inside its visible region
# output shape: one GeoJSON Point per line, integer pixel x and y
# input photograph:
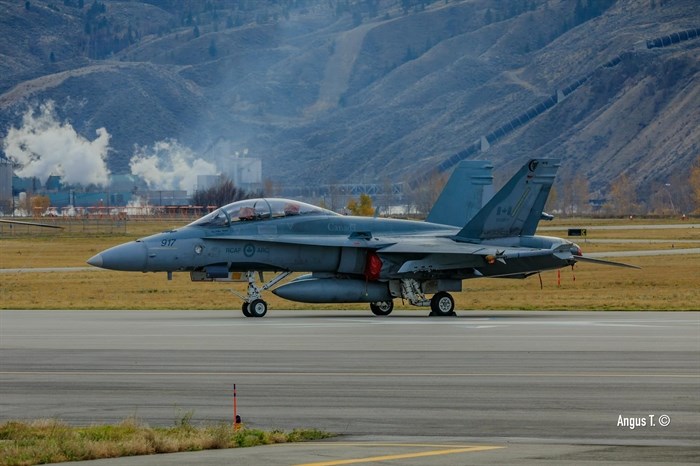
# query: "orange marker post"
{"type": "Point", "coordinates": [236, 419]}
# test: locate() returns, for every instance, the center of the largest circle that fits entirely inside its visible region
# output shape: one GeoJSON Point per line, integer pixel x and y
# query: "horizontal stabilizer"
{"type": "Point", "coordinates": [604, 262]}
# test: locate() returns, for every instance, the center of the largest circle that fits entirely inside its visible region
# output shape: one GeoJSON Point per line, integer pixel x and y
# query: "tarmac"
{"type": "Point", "coordinates": [485, 387]}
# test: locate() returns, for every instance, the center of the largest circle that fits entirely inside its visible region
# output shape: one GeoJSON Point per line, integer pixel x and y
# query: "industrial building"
{"type": "Point", "coordinates": [123, 190]}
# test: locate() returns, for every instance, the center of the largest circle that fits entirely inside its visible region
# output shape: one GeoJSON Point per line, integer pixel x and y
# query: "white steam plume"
{"type": "Point", "coordinates": [169, 165]}
{"type": "Point", "coordinates": [44, 146]}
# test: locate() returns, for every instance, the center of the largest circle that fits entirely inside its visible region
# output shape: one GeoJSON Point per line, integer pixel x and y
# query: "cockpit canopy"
{"type": "Point", "coordinates": [257, 209]}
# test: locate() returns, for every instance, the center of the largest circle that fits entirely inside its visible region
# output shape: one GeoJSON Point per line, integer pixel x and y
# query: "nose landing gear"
{"type": "Point", "coordinates": [253, 304]}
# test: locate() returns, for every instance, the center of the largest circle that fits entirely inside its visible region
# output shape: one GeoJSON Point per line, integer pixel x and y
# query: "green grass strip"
{"type": "Point", "coordinates": [51, 441]}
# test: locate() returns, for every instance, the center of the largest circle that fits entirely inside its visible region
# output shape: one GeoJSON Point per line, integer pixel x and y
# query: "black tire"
{"type": "Point", "coordinates": [257, 308]}
{"type": "Point", "coordinates": [382, 308]}
{"type": "Point", "coordinates": [245, 310]}
{"type": "Point", "coordinates": [442, 304]}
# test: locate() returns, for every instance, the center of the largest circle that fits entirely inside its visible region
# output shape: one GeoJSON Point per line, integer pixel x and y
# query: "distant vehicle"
{"type": "Point", "coordinates": [359, 259]}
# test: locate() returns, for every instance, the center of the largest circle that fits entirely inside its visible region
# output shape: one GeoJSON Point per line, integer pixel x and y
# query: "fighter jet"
{"type": "Point", "coordinates": [358, 259]}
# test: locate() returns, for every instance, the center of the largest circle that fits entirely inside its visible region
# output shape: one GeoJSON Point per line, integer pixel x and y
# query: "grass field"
{"type": "Point", "coordinates": [664, 283]}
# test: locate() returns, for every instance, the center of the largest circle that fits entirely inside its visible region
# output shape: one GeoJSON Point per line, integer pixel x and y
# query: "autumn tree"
{"type": "Point", "coordinates": [623, 197]}
{"type": "Point", "coordinates": [335, 199]}
{"type": "Point", "coordinates": [39, 204]}
{"type": "Point", "coordinates": [661, 200]}
{"type": "Point", "coordinates": [389, 197]}
{"type": "Point", "coordinates": [694, 182]}
{"type": "Point", "coordinates": [552, 200]}
{"type": "Point", "coordinates": [271, 188]}
{"type": "Point", "coordinates": [363, 207]}
{"type": "Point", "coordinates": [425, 195]}
{"type": "Point", "coordinates": [574, 196]}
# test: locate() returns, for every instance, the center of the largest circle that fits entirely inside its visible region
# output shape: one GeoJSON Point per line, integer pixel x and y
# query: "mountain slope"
{"type": "Point", "coordinates": [331, 92]}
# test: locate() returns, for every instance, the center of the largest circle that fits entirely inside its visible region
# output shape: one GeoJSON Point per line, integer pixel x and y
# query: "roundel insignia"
{"type": "Point", "coordinates": [532, 165]}
{"type": "Point", "coordinates": [248, 250]}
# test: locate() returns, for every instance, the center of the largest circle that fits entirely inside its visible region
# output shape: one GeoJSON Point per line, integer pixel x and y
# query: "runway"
{"type": "Point", "coordinates": [485, 378]}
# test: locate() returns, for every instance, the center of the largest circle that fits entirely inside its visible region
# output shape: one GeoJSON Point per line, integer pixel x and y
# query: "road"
{"type": "Point", "coordinates": [553, 384]}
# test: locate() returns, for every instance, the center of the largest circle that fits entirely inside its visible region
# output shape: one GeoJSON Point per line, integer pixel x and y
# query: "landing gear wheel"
{"type": "Point", "coordinates": [245, 310]}
{"type": "Point", "coordinates": [442, 304]}
{"type": "Point", "coordinates": [257, 308]}
{"type": "Point", "coordinates": [382, 308]}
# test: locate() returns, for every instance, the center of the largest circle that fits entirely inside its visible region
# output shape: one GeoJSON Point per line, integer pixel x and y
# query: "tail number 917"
{"type": "Point", "coordinates": [167, 243]}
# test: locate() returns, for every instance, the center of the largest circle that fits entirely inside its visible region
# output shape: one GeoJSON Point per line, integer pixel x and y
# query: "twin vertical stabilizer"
{"type": "Point", "coordinates": [516, 209]}
{"type": "Point", "coordinates": [465, 193]}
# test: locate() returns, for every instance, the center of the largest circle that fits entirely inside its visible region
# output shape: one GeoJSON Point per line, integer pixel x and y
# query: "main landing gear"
{"type": "Point", "coordinates": [253, 304]}
{"type": "Point", "coordinates": [441, 304]}
{"type": "Point", "coordinates": [382, 308]}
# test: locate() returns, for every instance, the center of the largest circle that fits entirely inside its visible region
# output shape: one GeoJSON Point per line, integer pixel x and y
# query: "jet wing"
{"type": "Point", "coordinates": [445, 254]}
{"type": "Point", "coordinates": [433, 245]}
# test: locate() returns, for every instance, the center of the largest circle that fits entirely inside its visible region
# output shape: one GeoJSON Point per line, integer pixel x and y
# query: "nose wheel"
{"type": "Point", "coordinates": [253, 304]}
{"type": "Point", "coordinates": [257, 308]}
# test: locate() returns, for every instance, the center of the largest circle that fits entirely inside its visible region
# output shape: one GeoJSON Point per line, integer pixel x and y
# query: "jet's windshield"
{"type": "Point", "coordinates": [258, 209]}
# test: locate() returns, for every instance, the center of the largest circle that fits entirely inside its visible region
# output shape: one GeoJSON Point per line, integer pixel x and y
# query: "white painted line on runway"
{"type": "Point", "coordinates": [350, 373]}
{"type": "Point", "coordinates": [654, 252]}
{"type": "Point", "coordinates": [51, 269]}
{"type": "Point", "coordinates": [470, 323]}
{"type": "Point", "coordinates": [651, 226]}
{"type": "Point", "coordinates": [171, 336]}
{"type": "Point", "coordinates": [641, 241]}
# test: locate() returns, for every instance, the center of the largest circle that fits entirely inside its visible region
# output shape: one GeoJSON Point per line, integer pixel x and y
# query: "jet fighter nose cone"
{"type": "Point", "coordinates": [96, 260]}
{"type": "Point", "coordinates": [128, 257]}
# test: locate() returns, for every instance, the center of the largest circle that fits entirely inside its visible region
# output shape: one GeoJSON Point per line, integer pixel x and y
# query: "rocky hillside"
{"type": "Point", "coordinates": [370, 90]}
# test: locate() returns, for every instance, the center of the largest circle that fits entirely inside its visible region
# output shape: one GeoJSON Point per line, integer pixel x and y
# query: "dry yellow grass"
{"type": "Point", "coordinates": [664, 283]}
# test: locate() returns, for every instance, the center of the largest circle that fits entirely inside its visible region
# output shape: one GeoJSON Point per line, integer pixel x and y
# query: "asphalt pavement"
{"type": "Point", "coordinates": [482, 388]}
